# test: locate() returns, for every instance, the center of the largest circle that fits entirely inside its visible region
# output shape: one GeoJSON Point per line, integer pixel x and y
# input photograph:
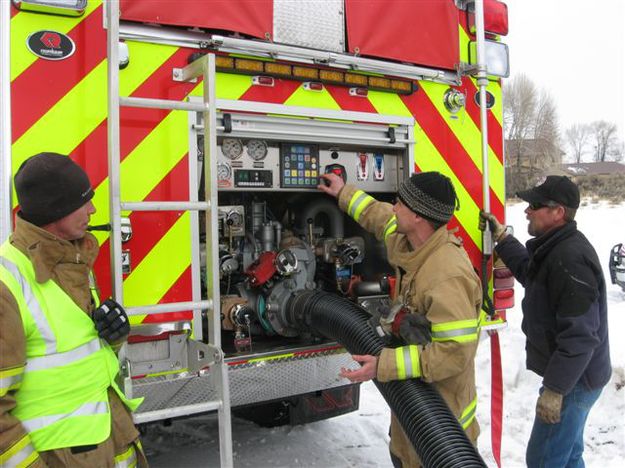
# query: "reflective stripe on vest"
{"type": "Point", "coordinates": [468, 415]}
{"type": "Point", "coordinates": [10, 379]}
{"type": "Point", "coordinates": [407, 361]}
{"type": "Point", "coordinates": [33, 305]}
{"type": "Point", "coordinates": [461, 331]}
{"type": "Point", "coordinates": [128, 459]}
{"type": "Point", "coordinates": [88, 409]}
{"type": "Point", "coordinates": [391, 227]}
{"type": "Point", "coordinates": [360, 200]}
{"type": "Point", "coordinates": [62, 359]}
{"type": "Point", "coordinates": [21, 454]}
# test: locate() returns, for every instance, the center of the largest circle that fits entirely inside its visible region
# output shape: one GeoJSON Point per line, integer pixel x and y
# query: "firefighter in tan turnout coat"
{"type": "Point", "coordinates": [438, 289]}
{"type": "Point", "coordinates": [59, 403]}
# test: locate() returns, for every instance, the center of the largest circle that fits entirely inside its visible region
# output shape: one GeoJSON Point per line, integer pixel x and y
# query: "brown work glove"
{"type": "Point", "coordinates": [496, 228]}
{"type": "Point", "coordinates": [549, 406]}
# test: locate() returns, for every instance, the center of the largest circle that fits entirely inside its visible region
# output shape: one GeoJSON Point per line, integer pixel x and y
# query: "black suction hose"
{"type": "Point", "coordinates": [435, 433]}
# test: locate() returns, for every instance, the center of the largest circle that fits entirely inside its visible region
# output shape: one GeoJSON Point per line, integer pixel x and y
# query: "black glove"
{"type": "Point", "coordinates": [415, 329]}
{"type": "Point", "coordinates": [111, 321]}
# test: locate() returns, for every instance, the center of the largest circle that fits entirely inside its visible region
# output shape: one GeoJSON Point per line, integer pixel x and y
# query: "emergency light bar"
{"type": "Point", "coordinates": [311, 74]}
{"type": "Point", "coordinates": [55, 7]}
{"type": "Point", "coordinates": [495, 18]}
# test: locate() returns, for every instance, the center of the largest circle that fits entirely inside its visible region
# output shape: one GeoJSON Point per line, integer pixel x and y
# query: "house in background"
{"type": "Point", "coordinates": [577, 170]}
{"type": "Point", "coordinates": [598, 180]}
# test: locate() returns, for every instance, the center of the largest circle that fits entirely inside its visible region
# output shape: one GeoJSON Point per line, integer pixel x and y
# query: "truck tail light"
{"type": "Point", "coordinates": [261, 80]}
{"type": "Point", "coordinates": [503, 278]}
{"type": "Point", "coordinates": [503, 299]}
{"type": "Point", "coordinates": [503, 285]}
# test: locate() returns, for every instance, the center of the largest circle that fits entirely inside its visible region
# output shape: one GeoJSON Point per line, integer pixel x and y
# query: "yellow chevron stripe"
{"type": "Point", "coordinates": [388, 104]}
{"type": "Point", "coordinates": [493, 86]}
{"type": "Point", "coordinates": [469, 137]}
{"type": "Point", "coordinates": [152, 278]}
{"type": "Point", "coordinates": [25, 23]}
{"type": "Point", "coordinates": [430, 159]}
{"type": "Point", "coordinates": [229, 86]}
{"type": "Point", "coordinates": [463, 40]}
{"type": "Point", "coordinates": [318, 99]}
{"type": "Point", "coordinates": [152, 159]}
{"type": "Point", "coordinates": [81, 110]}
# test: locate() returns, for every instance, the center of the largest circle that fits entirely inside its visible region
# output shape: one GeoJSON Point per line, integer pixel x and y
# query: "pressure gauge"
{"type": "Point", "coordinates": [257, 149]}
{"type": "Point", "coordinates": [224, 171]}
{"type": "Point", "coordinates": [234, 218]}
{"type": "Point", "coordinates": [232, 148]}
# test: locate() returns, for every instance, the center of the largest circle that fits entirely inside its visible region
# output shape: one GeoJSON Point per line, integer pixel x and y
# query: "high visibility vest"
{"type": "Point", "coordinates": [62, 399]}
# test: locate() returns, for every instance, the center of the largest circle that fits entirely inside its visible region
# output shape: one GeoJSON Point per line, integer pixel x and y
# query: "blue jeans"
{"type": "Point", "coordinates": [562, 445]}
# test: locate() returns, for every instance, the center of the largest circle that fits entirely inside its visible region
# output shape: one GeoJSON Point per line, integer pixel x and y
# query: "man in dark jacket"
{"type": "Point", "coordinates": [564, 318]}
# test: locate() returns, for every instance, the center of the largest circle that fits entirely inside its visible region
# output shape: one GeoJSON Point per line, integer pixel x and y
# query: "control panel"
{"type": "Point", "coordinates": [260, 165]}
{"type": "Point", "coordinates": [299, 165]}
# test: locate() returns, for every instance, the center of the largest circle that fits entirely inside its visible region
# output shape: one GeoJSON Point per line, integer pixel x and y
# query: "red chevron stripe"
{"type": "Point", "coordinates": [495, 132]}
{"type": "Point", "coordinates": [14, 11]}
{"type": "Point", "coordinates": [350, 103]}
{"type": "Point", "coordinates": [180, 291]}
{"type": "Point", "coordinates": [45, 82]}
{"type": "Point", "coordinates": [103, 271]}
{"type": "Point", "coordinates": [448, 146]}
{"type": "Point", "coordinates": [148, 227]}
{"type": "Point", "coordinates": [136, 123]}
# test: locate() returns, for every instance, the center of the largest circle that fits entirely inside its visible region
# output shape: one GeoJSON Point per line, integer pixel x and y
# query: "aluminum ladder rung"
{"type": "Point", "coordinates": [177, 411]}
{"type": "Point", "coordinates": [166, 206]}
{"type": "Point", "coordinates": [167, 104]}
{"type": "Point", "coordinates": [169, 307]}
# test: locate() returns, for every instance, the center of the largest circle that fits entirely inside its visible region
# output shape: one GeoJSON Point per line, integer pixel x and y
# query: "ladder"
{"type": "Point", "coordinates": [203, 353]}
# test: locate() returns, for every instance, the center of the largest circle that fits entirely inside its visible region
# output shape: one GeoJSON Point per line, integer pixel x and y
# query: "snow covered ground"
{"type": "Point", "coordinates": [360, 439]}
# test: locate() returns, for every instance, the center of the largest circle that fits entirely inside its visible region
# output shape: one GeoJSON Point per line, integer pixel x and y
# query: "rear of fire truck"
{"type": "Point", "coordinates": [372, 91]}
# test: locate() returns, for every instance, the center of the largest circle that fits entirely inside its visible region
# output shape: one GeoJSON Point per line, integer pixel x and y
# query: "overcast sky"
{"type": "Point", "coordinates": [575, 49]}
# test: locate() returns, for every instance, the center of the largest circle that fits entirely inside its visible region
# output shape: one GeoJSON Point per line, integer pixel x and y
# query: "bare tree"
{"type": "Point", "coordinates": [578, 137]}
{"type": "Point", "coordinates": [617, 151]}
{"type": "Point", "coordinates": [606, 143]}
{"type": "Point", "coordinates": [531, 129]}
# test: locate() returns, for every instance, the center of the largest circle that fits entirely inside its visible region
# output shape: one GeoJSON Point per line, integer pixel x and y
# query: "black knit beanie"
{"type": "Point", "coordinates": [431, 195]}
{"type": "Point", "coordinates": [50, 186]}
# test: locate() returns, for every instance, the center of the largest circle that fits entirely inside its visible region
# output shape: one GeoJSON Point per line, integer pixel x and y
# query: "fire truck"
{"type": "Point", "coordinates": [204, 127]}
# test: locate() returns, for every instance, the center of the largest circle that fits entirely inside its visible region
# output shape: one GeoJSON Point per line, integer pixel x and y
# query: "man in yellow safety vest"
{"type": "Point", "coordinates": [59, 403]}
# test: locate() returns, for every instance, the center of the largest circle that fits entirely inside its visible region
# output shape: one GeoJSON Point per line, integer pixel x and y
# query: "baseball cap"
{"type": "Point", "coordinates": [559, 189]}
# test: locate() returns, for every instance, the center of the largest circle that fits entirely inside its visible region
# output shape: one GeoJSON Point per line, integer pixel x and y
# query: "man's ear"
{"type": "Point", "coordinates": [560, 213]}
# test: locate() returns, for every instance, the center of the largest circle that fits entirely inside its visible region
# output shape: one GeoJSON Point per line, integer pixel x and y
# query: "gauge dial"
{"type": "Point", "coordinates": [234, 219]}
{"type": "Point", "coordinates": [257, 149]}
{"type": "Point", "coordinates": [232, 148]}
{"type": "Point", "coordinates": [224, 171]}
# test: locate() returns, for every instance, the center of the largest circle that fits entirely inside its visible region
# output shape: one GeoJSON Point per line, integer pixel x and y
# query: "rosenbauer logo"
{"type": "Point", "coordinates": [50, 45]}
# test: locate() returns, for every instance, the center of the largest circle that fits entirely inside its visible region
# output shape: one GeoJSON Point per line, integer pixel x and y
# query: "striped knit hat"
{"type": "Point", "coordinates": [431, 195]}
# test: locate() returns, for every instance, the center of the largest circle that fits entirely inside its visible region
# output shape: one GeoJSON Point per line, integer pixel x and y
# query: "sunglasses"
{"type": "Point", "coordinates": [539, 206]}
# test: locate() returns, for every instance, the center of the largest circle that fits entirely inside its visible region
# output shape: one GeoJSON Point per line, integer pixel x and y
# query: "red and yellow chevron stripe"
{"type": "Point", "coordinates": [61, 106]}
